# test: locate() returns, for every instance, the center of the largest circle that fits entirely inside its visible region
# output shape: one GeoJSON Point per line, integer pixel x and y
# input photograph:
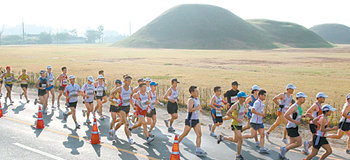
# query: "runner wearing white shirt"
{"type": "Point", "coordinates": [148, 82]}
{"type": "Point", "coordinates": [88, 93]}
{"type": "Point", "coordinates": [294, 114]}
{"type": "Point", "coordinates": [313, 112]}
{"type": "Point", "coordinates": [344, 124]}
{"type": "Point", "coordinates": [72, 91]}
{"type": "Point", "coordinates": [283, 100]}
{"type": "Point", "coordinates": [50, 79]}
{"type": "Point", "coordinates": [256, 122]}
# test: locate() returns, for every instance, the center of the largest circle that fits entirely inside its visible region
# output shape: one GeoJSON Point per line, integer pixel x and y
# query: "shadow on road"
{"type": "Point", "coordinates": [72, 142]}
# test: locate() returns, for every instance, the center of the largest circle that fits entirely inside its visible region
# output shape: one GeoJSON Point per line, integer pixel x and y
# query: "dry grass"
{"type": "Point", "coordinates": [311, 70]}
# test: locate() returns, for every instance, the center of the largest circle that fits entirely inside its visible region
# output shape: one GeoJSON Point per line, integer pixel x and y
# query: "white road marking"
{"type": "Point", "coordinates": [38, 151]}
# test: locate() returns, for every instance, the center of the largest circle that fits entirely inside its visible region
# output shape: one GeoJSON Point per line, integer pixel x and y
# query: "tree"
{"type": "Point", "coordinates": [92, 36]}
{"type": "Point", "coordinates": [62, 36]}
{"type": "Point", "coordinates": [45, 38]}
{"type": "Point", "coordinates": [100, 30]}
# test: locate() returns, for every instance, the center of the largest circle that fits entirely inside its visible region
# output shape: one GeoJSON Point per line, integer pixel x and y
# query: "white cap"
{"type": "Point", "coordinates": [100, 77]}
{"type": "Point", "coordinates": [49, 67]}
{"type": "Point", "coordinates": [348, 96]}
{"type": "Point", "coordinates": [71, 77]}
{"type": "Point", "coordinates": [321, 95]}
{"type": "Point", "coordinates": [301, 95]}
{"type": "Point", "coordinates": [91, 79]}
{"type": "Point", "coordinates": [328, 107]}
{"type": "Point", "coordinates": [290, 86]}
{"type": "Point", "coordinates": [256, 87]}
{"type": "Point", "coordinates": [148, 80]}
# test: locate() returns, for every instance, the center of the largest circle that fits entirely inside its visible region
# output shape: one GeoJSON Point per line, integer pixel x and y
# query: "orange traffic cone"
{"type": "Point", "coordinates": [40, 121]}
{"type": "Point", "coordinates": [175, 154]}
{"type": "Point", "coordinates": [0, 111]}
{"type": "Point", "coordinates": [95, 136]}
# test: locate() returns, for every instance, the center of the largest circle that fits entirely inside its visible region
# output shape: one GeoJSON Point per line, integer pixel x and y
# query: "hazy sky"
{"type": "Point", "coordinates": [116, 14]}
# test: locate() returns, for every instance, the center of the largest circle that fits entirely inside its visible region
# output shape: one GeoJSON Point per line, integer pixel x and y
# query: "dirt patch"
{"type": "Point", "coordinates": [235, 61]}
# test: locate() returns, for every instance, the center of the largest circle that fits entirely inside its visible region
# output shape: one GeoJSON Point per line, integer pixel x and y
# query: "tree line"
{"type": "Point", "coordinates": [66, 37]}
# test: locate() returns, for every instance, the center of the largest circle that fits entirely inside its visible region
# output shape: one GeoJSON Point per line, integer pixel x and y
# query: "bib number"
{"type": "Point", "coordinates": [218, 113]}
{"type": "Point", "coordinates": [234, 99]}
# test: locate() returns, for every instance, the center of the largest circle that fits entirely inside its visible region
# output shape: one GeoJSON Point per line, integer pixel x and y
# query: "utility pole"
{"type": "Point", "coordinates": [23, 30]}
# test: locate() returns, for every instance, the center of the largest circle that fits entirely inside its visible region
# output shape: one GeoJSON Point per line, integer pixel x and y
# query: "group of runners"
{"type": "Point", "coordinates": [143, 99]}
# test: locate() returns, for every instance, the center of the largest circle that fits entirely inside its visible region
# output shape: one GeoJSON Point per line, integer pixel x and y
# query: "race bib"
{"type": "Point", "coordinates": [73, 94]}
{"type": "Point", "coordinates": [218, 113]}
{"type": "Point", "coordinates": [24, 82]}
{"type": "Point", "coordinates": [234, 99]}
{"type": "Point", "coordinates": [65, 82]}
{"type": "Point", "coordinates": [43, 85]}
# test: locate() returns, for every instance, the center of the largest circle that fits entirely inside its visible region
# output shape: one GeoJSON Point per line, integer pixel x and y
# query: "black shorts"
{"type": "Point", "coordinates": [8, 85]}
{"type": "Point", "coordinates": [73, 104]}
{"type": "Point", "coordinates": [172, 107]}
{"type": "Point", "coordinates": [41, 92]}
{"type": "Point", "coordinates": [126, 109]}
{"type": "Point", "coordinates": [61, 88]}
{"type": "Point", "coordinates": [113, 108]}
{"type": "Point", "coordinates": [215, 118]}
{"type": "Point", "coordinates": [88, 102]}
{"type": "Point", "coordinates": [1, 82]}
{"type": "Point", "coordinates": [293, 132]}
{"type": "Point", "coordinates": [192, 123]}
{"type": "Point", "coordinates": [318, 141]}
{"type": "Point", "coordinates": [257, 126]}
{"type": "Point", "coordinates": [313, 128]}
{"type": "Point", "coordinates": [153, 112]}
{"type": "Point", "coordinates": [24, 85]}
{"type": "Point", "coordinates": [99, 97]}
{"type": "Point", "coordinates": [236, 128]}
{"type": "Point", "coordinates": [344, 126]}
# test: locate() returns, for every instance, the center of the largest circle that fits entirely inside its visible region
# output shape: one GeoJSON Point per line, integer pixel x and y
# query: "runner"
{"type": "Point", "coordinates": [114, 108]}
{"type": "Point", "coordinates": [41, 85]}
{"type": "Point", "coordinates": [148, 82]}
{"type": "Point", "coordinates": [344, 124]}
{"type": "Point", "coordinates": [236, 112]}
{"type": "Point", "coordinates": [51, 89]}
{"type": "Point", "coordinates": [88, 93]}
{"type": "Point", "coordinates": [217, 105]}
{"type": "Point", "coordinates": [313, 112]}
{"type": "Point", "coordinates": [1, 80]}
{"type": "Point", "coordinates": [125, 92]}
{"type": "Point", "coordinates": [172, 107]}
{"type": "Point", "coordinates": [9, 78]}
{"type": "Point", "coordinates": [192, 120]}
{"type": "Point", "coordinates": [142, 100]}
{"type": "Point", "coordinates": [24, 79]}
{"type": "Point", "coordinates": [293, 115]}
{"type": "Point", "coordinates": [231, 96]}
{"type": "Point", "coordinates": [63, 79]}
{"type": "Point", "coordinates": [320, 139]}
{"type": "Point", "coordinates": [256, 122]}
{"type": "Point", "coordinates": [151, 112]}
{"type": "Point", "coordinates": [71, 92]}
{"type": "Point", "coordinates": [100, 95]}
{"type": "Point", "coordinates": [250, 102]}
{"type": "Point", "coordinates": [285, 100]}
{"type": "Point", "coordinates": [136, 89]}
{"type": "Point", "coordinates": [104, 98]}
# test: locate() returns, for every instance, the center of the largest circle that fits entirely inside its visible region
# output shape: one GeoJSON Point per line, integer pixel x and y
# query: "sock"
{"type": "Point", "coordinates": [222, 138]}
{"type": "Point", "coordinates": [198, 148]}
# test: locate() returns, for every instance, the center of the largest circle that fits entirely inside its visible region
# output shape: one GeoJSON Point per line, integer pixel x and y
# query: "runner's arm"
{"type": "Point", "coordinates": [309, 111]}
{"type": "Point", "coordinates": [290, 111]}
{"type": "Point", "coordinates": [276, 98]}
{"type": "Point", "coordinates": [346, 110]}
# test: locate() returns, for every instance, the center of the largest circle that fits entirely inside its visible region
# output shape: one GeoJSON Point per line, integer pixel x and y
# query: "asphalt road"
{"type": "Point", "coordinates": [60, 140]}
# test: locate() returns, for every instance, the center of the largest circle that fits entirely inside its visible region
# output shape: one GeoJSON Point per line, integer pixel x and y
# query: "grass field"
{"type": "Point", "coordinates": [311, 70]}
